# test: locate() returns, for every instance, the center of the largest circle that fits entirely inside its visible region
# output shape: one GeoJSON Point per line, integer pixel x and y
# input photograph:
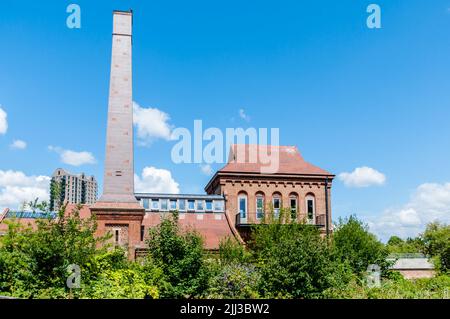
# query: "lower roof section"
{"type": "Point", "coordinates": [178, 196]}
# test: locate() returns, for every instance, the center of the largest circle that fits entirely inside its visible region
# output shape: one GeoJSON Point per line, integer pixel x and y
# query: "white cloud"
{"type": "Point", "coordinates": [3, 121]}
{"type": "Point", "coordinates": [362, 177]}
{"type": "Point", "coordinates": [154, 180]}
{"type": "Point", "coordinates": [151, 124]}
{"type": "Point", "coordinates": [243, 116]}
{"type": "Point", "coordinates": [16, 187]}
{"type": "Point", "coordinates": [430, 202]}
{"type": "Point", "coordinates": [207, 169]}
{"type": "Point", "coordinates": [72, 157]}
{"type": "Point", "coordinates": [18, 145]}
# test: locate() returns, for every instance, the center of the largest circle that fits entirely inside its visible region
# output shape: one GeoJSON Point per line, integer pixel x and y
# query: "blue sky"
{"type": "Point", "coordinates": [345, 95]}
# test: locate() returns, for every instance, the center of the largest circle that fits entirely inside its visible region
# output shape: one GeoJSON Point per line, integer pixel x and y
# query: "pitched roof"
{"type": "Point", "coordinates": [412, 264]}
{"type": "Point", "coordinates": [245, 158]}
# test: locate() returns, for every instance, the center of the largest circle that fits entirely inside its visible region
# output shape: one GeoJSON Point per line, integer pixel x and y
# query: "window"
{"type": "Point", "coordinates": [293, 206]}
{"type": "Point", "coordinates": [155, 204]}
{"type": "Point", "coordinates": [310, 208]}
{"type": "Point", "coordinates": [116, 236]}
{"type": "Point", "coordinates": [200, 205]}
{"type": "Point", "coordinates": [276, 206]}
{"type": "Point", "coordinates": [182, 205]}
{"type": "Point", "coordinates": [164, 205]}
{"type": "Point", "coordinates": [218, 206]}
{"type": "Point", "coordinates": [191, 204]}
{"type": "Point", "coordinates": [145, 203]}
{"type": "Point", "coordinates": [242, 204]}
{"type": "Point", "coordinates": [173, 204]}
{"type": "Point", "coordinates": [142, 232]}
{"type": "Point", "coordinates": [259, 206]}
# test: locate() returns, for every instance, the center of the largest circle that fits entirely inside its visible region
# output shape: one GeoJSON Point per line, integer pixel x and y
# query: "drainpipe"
{"type": "Point", "coordinates": [326, 208]}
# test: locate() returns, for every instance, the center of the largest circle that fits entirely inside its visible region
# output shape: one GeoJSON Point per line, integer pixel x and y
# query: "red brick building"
{"type": "Point", "coordinates": [239, 195]}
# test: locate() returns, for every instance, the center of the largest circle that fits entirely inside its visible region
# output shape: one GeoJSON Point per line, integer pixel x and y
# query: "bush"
{"type": "Point", "coordinates": [181, 257]}
{"type": "Point", "coordinates": [294, 261]}
{"type": "Point", "coordinates": [355, 245]}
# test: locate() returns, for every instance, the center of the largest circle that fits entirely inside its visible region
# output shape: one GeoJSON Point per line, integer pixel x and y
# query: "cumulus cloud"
{"type": "Point", "coordinates": [362, 177]}
{"type": "Point", "coordinates": [206, 169]}
{"type": "Point", "coordinates": [430, 202]}
{"type": "Point", "coordinates": [16, 187]}
{"type": "Point", "coordinates": [151, 124]}
{"type": "Point", "coordinates": [3, 121]}
{"type": "Point", "coordinates": [18, 145]}
{"type": "Point", "coordinates": [243, 115]}
{"type": "Point", "coordinates": [72, 157]}
{"type": "Point", "coordinates": [155, 180]}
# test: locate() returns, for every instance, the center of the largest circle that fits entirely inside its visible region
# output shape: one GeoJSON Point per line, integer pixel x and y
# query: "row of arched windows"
{"type": "Point", "coordinates": [260, 204]}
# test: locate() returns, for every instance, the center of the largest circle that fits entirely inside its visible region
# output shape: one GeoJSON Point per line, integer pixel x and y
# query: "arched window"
{"type": "Point", "coordinates": [293, 205]}
{"type": "Point", "coordinates": [259, 206]}
{"type": "Point", "coordinates": [310, 208]}
{"type": "Point", "coordinates": [276, 202]}
{"type": "Point", "coordinates": [242, 206]}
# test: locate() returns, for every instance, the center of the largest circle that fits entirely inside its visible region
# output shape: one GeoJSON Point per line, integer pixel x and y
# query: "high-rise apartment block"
{"type": "Point", "coordinates": [72, 189]}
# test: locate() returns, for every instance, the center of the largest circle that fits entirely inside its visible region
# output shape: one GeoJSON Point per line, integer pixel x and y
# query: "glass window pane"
{"type": "Point", "coordinates": [209, 205]}
{"type": "Point", "coordinates": [145, 203]}
{"type": "Point", "coordinates": [164, 204]}
{"type": "Point", "coordinates": [218, 205]}
{"type": "Point", "coordinates": [310, 204]}
{"type": "Point", "coordinates": [243, 207]}
{"type": "Point", "coordinates": [173, 204]}
{"type": "Point", "coordinates": [155, 204]}
{"type": "Point", "coordinates": [259, 207]}
{"type": "Point", "coordinates": [200, 205]}
{"type": "Point", "coordinates": [191, 204]}
{"type": "Point", "coordinates": [182, 204]}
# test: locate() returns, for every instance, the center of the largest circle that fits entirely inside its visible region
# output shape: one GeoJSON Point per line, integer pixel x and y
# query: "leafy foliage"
{"type": "Point", "coordinates": [294, 261]}
{"type": "Point", "coordinates": [181, 257]}
{"type": "Point", "coordinates": [355, 245]}
{"type": "Point", "coordinates": [34, 261]}
{"type": "Point", "coordinates": [436, 240]}
{"type": "Point", "coordinates": [285, 259]}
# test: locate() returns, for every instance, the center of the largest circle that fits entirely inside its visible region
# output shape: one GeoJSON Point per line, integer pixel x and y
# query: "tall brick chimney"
{"type": "Point", "coordinates": [118, 183]}
{"type": "Point", "coordinates": [117, 210]}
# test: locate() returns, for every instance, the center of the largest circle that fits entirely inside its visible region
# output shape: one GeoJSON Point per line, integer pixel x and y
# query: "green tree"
{"type": "Point", "coordinates": [231, 251]}
{"type": "Point", "coordinates": [294, 260]}
{"type": "Point", "coordinates": [436, 240]}
{"type": "Point", "coordinates": [180, 255]}
{"type": "Point", "coordinates": [33, 261]}
{"type": "Point", "coordinates": [354, 244]}
{"type": "Point", "coordinates": [396, 245]}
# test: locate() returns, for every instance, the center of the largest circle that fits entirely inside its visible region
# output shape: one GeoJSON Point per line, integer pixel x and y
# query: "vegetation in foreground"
{"type": "Point", "coordinates": [283, 260]}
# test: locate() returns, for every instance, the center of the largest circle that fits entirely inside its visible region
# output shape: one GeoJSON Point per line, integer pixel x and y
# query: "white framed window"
{"type": "Point", "coordinates": [208, 205]}
{"type": "Point", "coordinates": [242, 206]}
{"type": "Point", "coordinates": [182, 205]}
{"type": "Point", "coordinates": [155, 204]}
{"type": "Point", "coordinates": [276, 202]}
{"type": "Point", "coordinates": [310, 208]}
{"type": "Point", "coordinates": [259, 206]}
{"type": "Point", "coordinates": [218, 206]}
{"type": "Point", "coordinates": [145, 203]}
{"type": "Point", "coordinates": [164, 205]}
{"type": "Point", "coordinates": [200, 205]}
{"type": "Point", "coordinates": [293, 204]}
{"type": "Point", "coordinates": [191, 205]}
{"type": "Point", "coordinates": [173, 204]}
